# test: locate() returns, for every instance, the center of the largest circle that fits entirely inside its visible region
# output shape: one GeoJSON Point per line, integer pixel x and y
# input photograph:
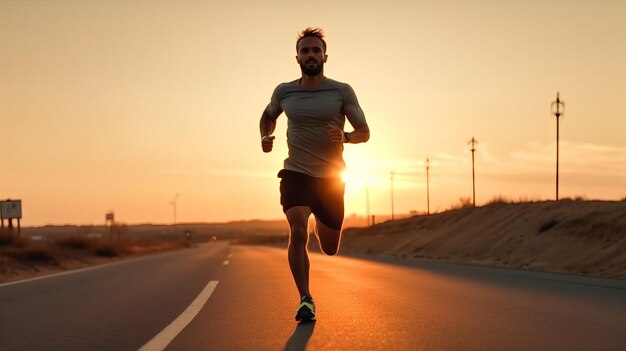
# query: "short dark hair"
{"type": "Point", "coordinates": [311, 32]}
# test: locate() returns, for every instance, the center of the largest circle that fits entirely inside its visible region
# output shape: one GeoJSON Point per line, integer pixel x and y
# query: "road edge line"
{"type": "Point", "coordinates": [161, 340]}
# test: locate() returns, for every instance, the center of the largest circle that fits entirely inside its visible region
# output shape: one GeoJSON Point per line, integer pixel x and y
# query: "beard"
{"type": "Point", "coordinates": [312, 71]}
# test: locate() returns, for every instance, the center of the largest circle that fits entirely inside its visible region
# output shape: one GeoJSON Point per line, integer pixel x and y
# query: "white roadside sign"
{"type": "Point", "coordinates": [11, 209]}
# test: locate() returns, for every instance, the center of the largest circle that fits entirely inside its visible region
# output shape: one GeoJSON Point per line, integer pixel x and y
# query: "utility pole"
{"type": "Point", "coordinates": [558, 108]}
{"type": "Point", "coordinates": [367, 202]}
{"type": "Point", "coordinates": [473, 143]}
{"type": "Point", "coordinates": [427, 186]}
{"type": "Point", "coordinates": [173, 203]}
{"type": "Point", "coordinates": [392, 211]}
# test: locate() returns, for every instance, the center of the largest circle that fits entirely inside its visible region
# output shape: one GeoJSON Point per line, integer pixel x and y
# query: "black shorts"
{"type": "Point", "coordinates": [323, 195]}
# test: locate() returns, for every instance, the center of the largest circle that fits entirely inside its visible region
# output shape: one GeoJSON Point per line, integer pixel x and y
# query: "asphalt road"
{"type": "Point", "coordinates": [382, 304]}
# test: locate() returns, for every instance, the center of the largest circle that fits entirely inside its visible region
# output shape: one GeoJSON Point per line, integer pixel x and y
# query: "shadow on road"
{"type": "Point", "coordinates": [300, 337]}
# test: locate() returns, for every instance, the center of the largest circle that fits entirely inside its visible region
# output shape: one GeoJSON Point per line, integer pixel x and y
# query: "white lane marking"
{"type": "Point", "coordinates": [161, 340]}
{"type": "Point", "coordinates": [226, 263]}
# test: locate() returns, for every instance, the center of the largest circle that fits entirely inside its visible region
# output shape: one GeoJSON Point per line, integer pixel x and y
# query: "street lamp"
{"type": "Point", "coordinates": [558, 108]}
{"type": "Point", "coordinates": [472, 144]}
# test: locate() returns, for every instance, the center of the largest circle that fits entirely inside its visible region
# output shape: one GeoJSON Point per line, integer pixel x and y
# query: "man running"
{"type": "Point", "coordinates": [316, 108]}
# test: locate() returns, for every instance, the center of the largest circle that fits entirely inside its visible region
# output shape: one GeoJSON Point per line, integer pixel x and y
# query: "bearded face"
{"type": "Point", "coordinates": [311, 56]}
{"type": "Point", "coordinates": [311, 67]}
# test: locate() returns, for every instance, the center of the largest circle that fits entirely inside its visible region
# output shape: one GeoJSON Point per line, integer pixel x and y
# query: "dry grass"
{"type": "Point", "coordinates": [501, 199]}
{"type": "Point", "coordinates": [464, 202]}
{"type": "Point", "coordinates": [7, 239]}
{"type": "Point", "coordinates": [20, 258]}
{"type": "Point", "coordinates": [74, 242]}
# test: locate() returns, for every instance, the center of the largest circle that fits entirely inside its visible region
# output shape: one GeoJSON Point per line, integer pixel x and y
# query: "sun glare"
{"type": "Point", "coordinates": [360, 173]}
{"type": "Point", "coordinates": [354, 179]}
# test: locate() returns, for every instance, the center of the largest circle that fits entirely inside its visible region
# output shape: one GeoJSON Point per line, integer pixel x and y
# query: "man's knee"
{"type": "Point", "coordinates": [298, 218]}
{"type": "Point", "coordinates": [330, 250]}
{"type": "Point", "coordinates": [329, 239]}
{"type": "Point", "coordinates": [298, 236]}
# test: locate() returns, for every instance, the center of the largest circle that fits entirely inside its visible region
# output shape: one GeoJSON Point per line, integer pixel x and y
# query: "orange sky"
{"type": "Point", "coordinates": [120, 105]}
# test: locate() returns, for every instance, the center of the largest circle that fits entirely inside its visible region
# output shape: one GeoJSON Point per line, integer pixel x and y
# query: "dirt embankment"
{"type": "Point", "coordinates": [583, 237]}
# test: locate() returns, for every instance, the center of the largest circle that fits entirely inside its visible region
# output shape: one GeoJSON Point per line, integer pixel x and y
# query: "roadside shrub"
{"type": "Point", "coordinates": [499, 199]}
{"type": "Point", "coordinates": [39, 255]}
{"type": "Point", "coordinates": [74, 242]}
{"type": "Point", "coordinates": [35, 254]}
{"type": "Point", "coordinates": [106, 251]}
{"type": "Point", "coordinates": [7, 239]}
{"type": "Point", "coordinates": [464, 202]}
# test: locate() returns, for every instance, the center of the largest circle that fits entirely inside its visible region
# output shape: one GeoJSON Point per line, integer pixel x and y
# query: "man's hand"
{"type": "Point", "coordinates": [335, 134]}
{"type": "Point", "coordinates": [267, 142]}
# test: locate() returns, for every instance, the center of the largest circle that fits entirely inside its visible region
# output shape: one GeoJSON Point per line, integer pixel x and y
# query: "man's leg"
{"type": "Point", "coordinates": [329, 238]}
{"type": "Point", "coordinates": [328, 213]}
{"type": "Point", "coordinates": [298, 218]}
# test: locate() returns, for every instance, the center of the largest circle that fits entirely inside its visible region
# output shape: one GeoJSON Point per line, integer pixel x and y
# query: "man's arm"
{"type": "Point", "coordinates": [268, 121]}
{"type": "Point", "coordinates": [266, 127]}
{"type": "Point", "coordinates": [267, 124]}
{"type": "Point", "coordinates": [356, 117]}
{"type": "Point", "coordinates": [360, 135]}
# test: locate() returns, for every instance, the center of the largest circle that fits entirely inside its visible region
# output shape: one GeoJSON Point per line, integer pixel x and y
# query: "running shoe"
{"type": "Point", "coordinates": [306, 311]}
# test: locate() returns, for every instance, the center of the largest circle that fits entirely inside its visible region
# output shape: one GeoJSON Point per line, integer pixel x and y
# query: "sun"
{"type": "Point", "coordinates": [354, 178]}
{"type": "Point", "coordinates": [360, 173]}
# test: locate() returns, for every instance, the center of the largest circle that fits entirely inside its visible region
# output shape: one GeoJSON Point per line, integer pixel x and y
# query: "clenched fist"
{"type": "Point", "coordinates": [335, 134]}
{"type": "Point", "coordinates": [267, 142]}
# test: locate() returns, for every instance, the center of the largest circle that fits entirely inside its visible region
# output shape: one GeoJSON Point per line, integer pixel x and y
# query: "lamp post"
{"type": "Point", "coordinates": [427, 186]}
{"type": "Point", "coordinates": [472, 144]}
{"type": "Point", "coordinates": [558, 108]}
